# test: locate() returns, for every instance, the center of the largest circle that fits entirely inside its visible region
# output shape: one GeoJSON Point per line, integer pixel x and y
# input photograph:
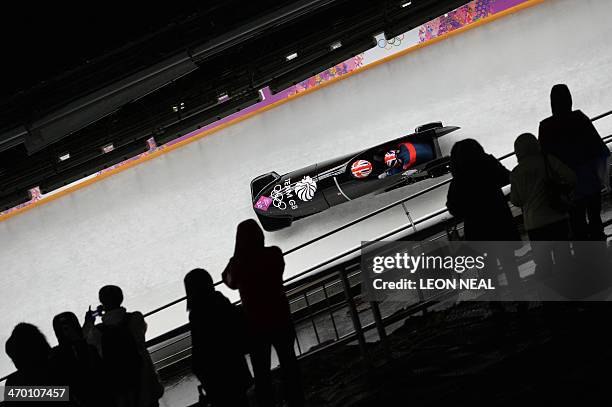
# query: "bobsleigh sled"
{"type": "Point", "coordinates": [278, 200]}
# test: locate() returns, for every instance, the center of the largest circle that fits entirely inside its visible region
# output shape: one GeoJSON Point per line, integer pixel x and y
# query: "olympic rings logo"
{"type": "Point", "coordinates": [393, 42]}
{"type": "Point", "coordinates": [277, 195]}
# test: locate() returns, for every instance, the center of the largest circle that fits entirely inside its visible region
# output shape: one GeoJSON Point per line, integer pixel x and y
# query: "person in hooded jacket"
{"type": "Point", "coordinates": [75, 363]}
{"type": "Point", "coordinates": [544, 221]}
{"type": "Point", "coordinates": [475, 195]}
{"type": "Point", "coordinates": [570, 136]}
{"type": "Point", "coordinates": [217, 337]}
{"type": "Point", "coordinates": [256, 271]}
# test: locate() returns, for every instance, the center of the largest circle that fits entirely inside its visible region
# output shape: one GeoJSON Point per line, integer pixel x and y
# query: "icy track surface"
{"type": "Point", "coordinates": [144, 228]}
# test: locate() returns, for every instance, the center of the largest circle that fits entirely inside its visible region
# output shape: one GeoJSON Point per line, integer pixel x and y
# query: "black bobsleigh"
{"type": "Point", "coordinates": [278, 200]}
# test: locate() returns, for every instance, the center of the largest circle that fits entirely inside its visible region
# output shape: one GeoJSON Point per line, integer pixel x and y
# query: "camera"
{"type": "Point", "coordinates": [98, 312]}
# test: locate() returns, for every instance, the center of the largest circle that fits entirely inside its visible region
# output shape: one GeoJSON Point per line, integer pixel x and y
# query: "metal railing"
{"type": "Point", "coordinates": [306, 283]}
{"type": "Point", "coordinates": [361, 219]}
{"type": "Point", "coordinates": [333, 276]}
{"type": "Point", "coordinates": [325, 282]}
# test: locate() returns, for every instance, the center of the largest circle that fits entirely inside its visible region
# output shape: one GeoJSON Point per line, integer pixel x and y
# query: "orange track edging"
{"type": "Point", "coordinates": [204, 133]}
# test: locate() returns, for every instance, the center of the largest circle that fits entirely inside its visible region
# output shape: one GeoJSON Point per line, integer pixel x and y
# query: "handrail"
{"type": "Point", "coordinates": [323, 274]}
{"type": "Point", "coordinates": [359, 220]}
{"type": "Point", "coordinates": [601, 116]}
{"type": "Point", "coordinates": [367, 216]}
{"type": "Point", "coordinates": [357, 248]}
{"type": "Point", "coordinates": [323, 236]}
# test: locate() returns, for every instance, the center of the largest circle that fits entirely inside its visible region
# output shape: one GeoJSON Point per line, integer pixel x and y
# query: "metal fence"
{"type": "Point", "coordinates": [319, 293]}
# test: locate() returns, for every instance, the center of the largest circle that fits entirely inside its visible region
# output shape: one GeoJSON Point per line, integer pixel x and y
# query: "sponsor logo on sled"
{"type": "Point", "coordinates": [263, 203]}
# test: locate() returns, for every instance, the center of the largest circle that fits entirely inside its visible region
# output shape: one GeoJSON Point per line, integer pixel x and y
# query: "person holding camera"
{"type": "Point", "coordinates": [120, 340]}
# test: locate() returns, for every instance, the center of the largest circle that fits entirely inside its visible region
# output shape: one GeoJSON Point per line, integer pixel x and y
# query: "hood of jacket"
{"type": "Point", "coordinates": [526, 145]}
{"type": "Point", "coordinates": [560, 100]}
{"type": "Point", "coordinates": [249, 239]}
{"type": "Point", "coordinates": [466, 157]}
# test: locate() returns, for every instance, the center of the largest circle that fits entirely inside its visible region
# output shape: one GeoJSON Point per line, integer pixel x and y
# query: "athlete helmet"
{"type": "Point", "coordinates": [391, 159]}
{"type": "Point", "coordinates": [361, 168]}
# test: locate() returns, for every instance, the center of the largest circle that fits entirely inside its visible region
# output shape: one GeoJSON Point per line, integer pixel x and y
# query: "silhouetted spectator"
{"type": "Point", "coordinates": [76, 364]}
{"type": "Point", "coordinates": [29, 350]}
{"type": "Point", "coordinates": [544, 219]}
{"type": "Point", "coordinates": [475, 196]}
{"type": "Point", "coordinates": [570, 136]}
{"type": "Point", "coordinates": [257, 272]}
{"type": "Point", "coordinates": [120, 340]}
{"type": "Point", "coordinates": [218, 342]}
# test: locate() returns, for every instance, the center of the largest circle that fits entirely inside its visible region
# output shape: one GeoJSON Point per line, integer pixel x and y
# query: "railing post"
{"type": "Point", "coordinates": [409, 216]}
{"type": "Point", "coordinates": [354, 316]}
{"type": "Point", "coordinates": [331, 312]}
{"type": "Point", "coordinates": [312, 321]}
{"type": "Point", "coordinates": [422, 299]}
{"type": "Point", "coordinates": [380, 327]}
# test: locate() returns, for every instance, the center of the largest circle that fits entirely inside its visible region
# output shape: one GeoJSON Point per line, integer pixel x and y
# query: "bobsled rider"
{"type": "Point", "coordinates": [407, 156]}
